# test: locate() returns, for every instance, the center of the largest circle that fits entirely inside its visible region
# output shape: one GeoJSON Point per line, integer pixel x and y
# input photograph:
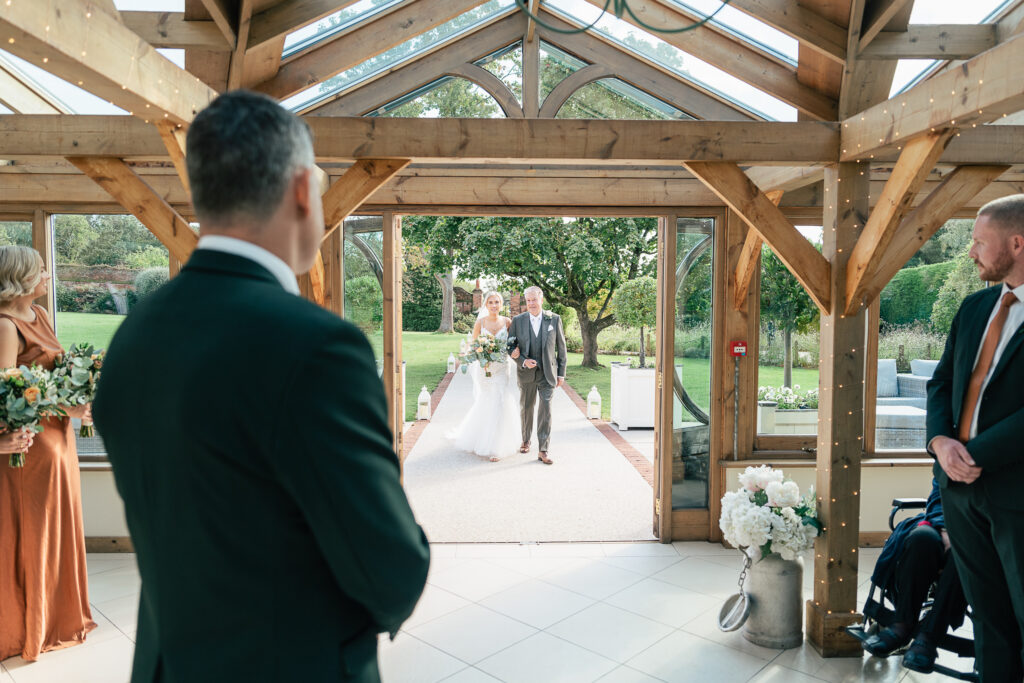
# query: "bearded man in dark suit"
{"type": "Point", "coordinates": [247, 429]}
{"type": "Point", "coordinates": [975, 432]}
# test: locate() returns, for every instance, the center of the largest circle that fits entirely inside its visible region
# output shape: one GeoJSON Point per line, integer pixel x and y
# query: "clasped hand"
{"type": "Point", "coordinates": [955, 461]}
{"type": "Point", "coordinates": [16, 442]}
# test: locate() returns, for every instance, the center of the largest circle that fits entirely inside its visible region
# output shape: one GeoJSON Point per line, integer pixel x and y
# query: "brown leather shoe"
{"type": "Point", "coordinates": [524, 447]}
{"type": "Point", "coordinates": [543, 457]}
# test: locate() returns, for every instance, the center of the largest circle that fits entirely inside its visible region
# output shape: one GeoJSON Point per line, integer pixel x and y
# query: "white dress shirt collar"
{"type": "Point", "coordinates": [232, 245]}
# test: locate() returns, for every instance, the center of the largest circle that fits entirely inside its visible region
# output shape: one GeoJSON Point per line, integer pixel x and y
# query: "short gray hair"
{"type": "Point", "coordinates": [1006, 212]}
{"type": "Point", "coordinates": [242, 152]}
{"type": "Point", "coordinates": [534, 288]}
{"type": "Point", "coordinates": [19, 271]}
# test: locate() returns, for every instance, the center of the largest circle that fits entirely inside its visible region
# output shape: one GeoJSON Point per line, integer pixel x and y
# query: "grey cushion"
{"type": "Point", "coordinates": [899, 417]}
{"type": "Point", "coordinates": [912, 385]}
{"type": "Point", "coordinates": [925, 368]}
{"type": "Point", "coordinates": [887, 385]}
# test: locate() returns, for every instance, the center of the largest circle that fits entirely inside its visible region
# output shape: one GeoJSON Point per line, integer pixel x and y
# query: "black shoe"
{"type": "Point", "coordinates": [921, 655]}
{"type": "Point", "coordinates": [885, 642]}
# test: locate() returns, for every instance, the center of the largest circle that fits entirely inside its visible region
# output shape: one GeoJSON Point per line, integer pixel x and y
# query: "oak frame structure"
{"type": "Point", "coordinates": [881, 174]}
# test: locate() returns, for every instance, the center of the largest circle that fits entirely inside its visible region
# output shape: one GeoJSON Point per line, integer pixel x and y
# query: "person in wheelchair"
{"type": "Point", "coordinates": [917, 555]}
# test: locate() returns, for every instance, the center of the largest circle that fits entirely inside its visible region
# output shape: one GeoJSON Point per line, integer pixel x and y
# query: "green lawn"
{"type": "Point", "coordinates": [426, 357]}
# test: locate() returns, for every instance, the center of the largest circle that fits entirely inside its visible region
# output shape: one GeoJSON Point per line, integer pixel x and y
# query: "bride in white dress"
{"type": "Point", "coordinates": [490, 428]}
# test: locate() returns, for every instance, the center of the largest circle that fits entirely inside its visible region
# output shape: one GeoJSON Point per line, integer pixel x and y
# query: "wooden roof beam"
{"type": "Point", "coordinates": [277, 21]}
{"type": "Point", "coordinates": [734, 57]}
{"type": "Point", "coordinates": [172, 30]}
{"type": "Point", "coordinates": [101, 55]}
{"type": "Point", "coordinates": [978, 91]}
{"type": "Point", "coordinates": [943, 203]}
{"type": "Point", "coordinates": [359, 43]}
{"type": "Point", "coordinates": [132, 192]}
{"type": "Point", "coordinates": [877, 16]}
{"type": "Point", "coordinates": [237, 67]}
{"type": "Point", "coordinates": [800, 23]}
{"type": "Point", "coordinates": [941, 41]}
{"type": "Point", "coordinates": [357, 185]}
{"type": "Point", "coordinates": [223, 16]}
{"type": "Point", "coordinates": [800, 257]}
{"type": "Point", "coordinates": [748, 260]}
{"type": "Point", "coordinates": [785, 178]}
{"type": "Point", "coordinates": [173, 136]}
{"type": "Point", "coordinates": [908, 176]}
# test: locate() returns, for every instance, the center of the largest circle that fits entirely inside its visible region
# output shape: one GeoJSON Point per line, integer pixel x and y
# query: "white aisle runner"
{"type": "Point", "coordinates": [591, 493]}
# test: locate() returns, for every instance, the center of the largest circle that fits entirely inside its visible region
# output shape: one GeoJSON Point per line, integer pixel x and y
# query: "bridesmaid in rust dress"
{"type": "Point", "coordinates": [44, 601]}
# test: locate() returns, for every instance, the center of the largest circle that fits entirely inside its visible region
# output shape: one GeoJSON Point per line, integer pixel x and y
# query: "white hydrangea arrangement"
{"type": "Point", "coordinates": [768, 513]}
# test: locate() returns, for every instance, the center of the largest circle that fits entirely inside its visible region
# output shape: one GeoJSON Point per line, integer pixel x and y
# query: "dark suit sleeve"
{"type": "Point", "coordinates": [333, 455]}
{"type": "Point", "coordinates": [939, 420]}
{"type": "Point", "coordinates": [560, 349]}
{"type": "Point", "coordinates": [999, 445]}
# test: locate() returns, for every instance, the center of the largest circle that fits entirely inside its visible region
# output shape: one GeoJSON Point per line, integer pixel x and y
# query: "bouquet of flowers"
{"type": "Point", "coordinates": [768, 513]}
{"type": "Point", "coordinates": [26, 396]}
{"type": "Point", "coordinates": [76, 374]}
{"type": "Point", "coordinates": [485, 349]}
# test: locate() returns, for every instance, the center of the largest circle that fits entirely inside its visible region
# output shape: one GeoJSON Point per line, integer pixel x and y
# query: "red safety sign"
{"type": "Point", "coordinates": [738, 348]}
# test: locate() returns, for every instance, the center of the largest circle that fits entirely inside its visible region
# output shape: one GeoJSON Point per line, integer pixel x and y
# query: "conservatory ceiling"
{"type": "Point", "coordinates": [782, 87]}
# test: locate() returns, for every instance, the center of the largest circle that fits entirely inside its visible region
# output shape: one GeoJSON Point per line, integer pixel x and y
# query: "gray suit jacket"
{"type": "Point", "coordinates": [552, 341]}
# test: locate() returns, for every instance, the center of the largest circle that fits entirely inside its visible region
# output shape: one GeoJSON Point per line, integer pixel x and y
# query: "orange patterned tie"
{"type": "Point", "coordinates": [988, 351]}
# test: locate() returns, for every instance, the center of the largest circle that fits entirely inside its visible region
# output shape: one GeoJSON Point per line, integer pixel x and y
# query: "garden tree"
{"type": "Point", "coordinates": [571, 260]}
{"type": "Point", "coordinates": [440, 240]}
{"type": "Point", "coordinates": [945, 244]}
{"type": "Point", "coordinates": [634, 303]}
{"type": "Point", "coordinates": [912, 292]}
{"type": "Point", "coordinates": [455, 98]}
{"type": "Point", "coordinates": [962, 281]}
{"type": "Point", "coordinates": [16, 233]}
{"type": "Point", "coordinates": [785, 306]}
{"type": "Point", "coordinates": [72, 235]}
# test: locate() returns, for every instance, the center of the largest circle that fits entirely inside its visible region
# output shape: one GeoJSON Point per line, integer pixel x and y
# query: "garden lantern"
{"type": "Point", "coordinates": [594, 404]}
{"type": "Point", "coordinates": [451, 362]}
{"type": "Point", "coordinates": [423, 405]}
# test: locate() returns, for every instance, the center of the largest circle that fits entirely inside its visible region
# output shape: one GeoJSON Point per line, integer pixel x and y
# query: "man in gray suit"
{"type": "Point", "coordinates": [540, 342]}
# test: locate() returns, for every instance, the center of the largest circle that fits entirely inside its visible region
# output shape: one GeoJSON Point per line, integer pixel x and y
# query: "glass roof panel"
{"type": "Point", "coordinates": [445, 98]}
{"type": "Point", "coordinates": [610, 98]}
{"type": "Point", "coordinates": [73, 97]}
{"type": "Point", "coordinates": [408, 50]}
{"type": "Point", "coordinates": [555, 66]}
{"type": "Point", "coordinates": [682, 63]}
{"type": "Point", "coordinates": [507, 66]}
{"type": "Point", "coordinates": [307, 36]}
{"type": "Point", "coordinates": [745, 27]}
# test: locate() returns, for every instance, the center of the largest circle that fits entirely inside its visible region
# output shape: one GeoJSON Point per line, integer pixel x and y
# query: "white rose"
{"type": "Point", "coordinates": [783, 494]}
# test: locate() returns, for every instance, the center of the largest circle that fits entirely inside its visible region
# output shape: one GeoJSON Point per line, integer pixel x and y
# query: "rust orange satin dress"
{"type": "Point", "coordinates": [44, 597]}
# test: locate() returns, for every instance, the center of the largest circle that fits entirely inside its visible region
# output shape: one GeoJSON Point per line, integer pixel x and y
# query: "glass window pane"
{"type": "Point", "coordinates": [307, 36]}
{"type": "Point", "coordinates": [555, 66]}
{"type": "Point", "coordinates": [746, 27]}
{"type": "Point", "coordinates": [915, 312]}
{"type": "Point", "coordinates": [610, 98]}
{"type": "Point", "coordinates": [16, 232]}
{"type": "Point", "coordinates": [408, 50]}
{"type": "Point", "coordinates": [507, 65]}
{"type": "Point", "coordinates": [445, 98]}
{"type": "Point", "coordinates": [363, 253]}
{"type": "Point", "coordinates": [691, 404]}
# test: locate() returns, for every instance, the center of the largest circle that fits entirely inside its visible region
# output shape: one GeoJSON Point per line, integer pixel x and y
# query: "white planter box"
{"type": "Point", "coordinates": [799, 421]}
{"type": "Point", "coordinates": [632, 399]}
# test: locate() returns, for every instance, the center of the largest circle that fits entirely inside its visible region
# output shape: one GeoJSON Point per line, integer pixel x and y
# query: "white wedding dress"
{"type": "Point", "coordinates": [491, 427]}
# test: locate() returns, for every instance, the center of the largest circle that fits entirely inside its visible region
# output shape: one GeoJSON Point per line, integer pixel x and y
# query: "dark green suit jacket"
{"type": "Point", "coordinates": [248, 435]}
{"type": "Point", "coordinates": [998, 446]}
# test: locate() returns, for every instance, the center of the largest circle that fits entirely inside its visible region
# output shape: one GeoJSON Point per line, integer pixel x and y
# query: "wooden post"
{"type": "Point", "coordinates": [664, 365]}
{"type": "Point", "coordinates": [741, 322]}
{"type": "Point", "coordinates": [840, 423]}
{"type": "Point", "coordinates": [392, 374]}
{"type": "Point", "coordinates": [531, 75]}
{"type": "Point", "coordinates": [42, 241]}
{"type": "Point", "coordinates": [334, 273]}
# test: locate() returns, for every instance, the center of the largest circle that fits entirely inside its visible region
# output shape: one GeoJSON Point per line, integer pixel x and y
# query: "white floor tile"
{"type": "Point", "coordinates": [644, 566]}
{"type": "Point", "coordinates": [567, 550]}
{"type": "Point", "coordinates": [537, 566]}
{"type": "Point", "coordinates": [491, 550]}
{"type": "Point", "coordinates": [537, 603]}
{"type": "Point", "coordinates": [699, 575]}
{"type": "Point", "coordinates": [610, 631]}
{"type": "Point", "coordinates": [773, 673]}
{"type": "Point", "coordinates": [101, 562]}
{"type": "Point", "coordinates": [626, 675]}
{"type": "Point", "coordinates": [664, 602]}
{"type": "Point", "coordinates": [475, 579]}
{"type": "Point", "coordinates": [652, 549]}
{"type": "Point", "coordinates": [594, 579]}
{"type": "Point", "coordinates": [4, 676]}
{"type": "Point", "coordinates": [543, 657]}
{"type": "Point", "coordinates": [113, 584]}
{"type": "Point", "coordinates": [706, 626]}
{"type": "Point", "coordinates": [702, 549]}
{"type": "Point", "coordinates": [409, 659]}
{"type": "Point", "coordinates": [434, 602]}
{"type": "Point", "coordinates": [122, 612]}
{"type": "Point", "coordinates": [684, 657]}
{"type": "Point", "coordinates": [105, 661]}
{"type": "Point", "coordinates": [472, 633]}
{"type": "Point", "coordinates": [438, 550]}
{"type": "Point", "coordinates": [471, 675]}
{"type": "Point", "coordinates": [806, 660]}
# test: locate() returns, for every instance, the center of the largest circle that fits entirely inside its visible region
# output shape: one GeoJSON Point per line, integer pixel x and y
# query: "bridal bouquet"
{"type": "Point", "coordinates": [76, 374]}
{"type": "Point", "coordinates": [26, 396]}
{"type": "Point", "coordinates": [485, 349]}
{"type": "Point", "coordinates": [768, 513]}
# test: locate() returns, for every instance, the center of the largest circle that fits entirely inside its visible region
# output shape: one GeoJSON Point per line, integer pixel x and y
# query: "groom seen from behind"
{"type": "Point", "coordinates": [247, 429]}
{"type": "Point", "coordinates": [540, 362]}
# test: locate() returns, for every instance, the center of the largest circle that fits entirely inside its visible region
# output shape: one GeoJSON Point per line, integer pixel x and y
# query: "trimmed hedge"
{"type": "Point", "coordinates": [911, 294]}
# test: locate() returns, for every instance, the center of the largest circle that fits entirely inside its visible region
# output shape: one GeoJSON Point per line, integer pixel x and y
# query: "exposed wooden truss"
{"type": "Point", "coordinates": [358, 183]}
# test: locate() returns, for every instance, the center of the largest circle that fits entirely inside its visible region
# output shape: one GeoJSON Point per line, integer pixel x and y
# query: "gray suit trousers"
{"type": "Point", "coordinates": [531, 383]}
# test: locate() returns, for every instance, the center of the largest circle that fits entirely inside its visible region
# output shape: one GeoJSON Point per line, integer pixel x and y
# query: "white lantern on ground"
{"type": "Point", "coordinates": [594, 404]}
{"type": "Point", "coordinates": [451, 362]}
{"type": "Point", "coordinates": [423, 405]}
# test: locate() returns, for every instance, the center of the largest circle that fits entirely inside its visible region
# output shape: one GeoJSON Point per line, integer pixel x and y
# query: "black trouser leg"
{"type": "Point", "coordinates": [950, 601]}
{"type": "Point", "coordinates": [917, 569]}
